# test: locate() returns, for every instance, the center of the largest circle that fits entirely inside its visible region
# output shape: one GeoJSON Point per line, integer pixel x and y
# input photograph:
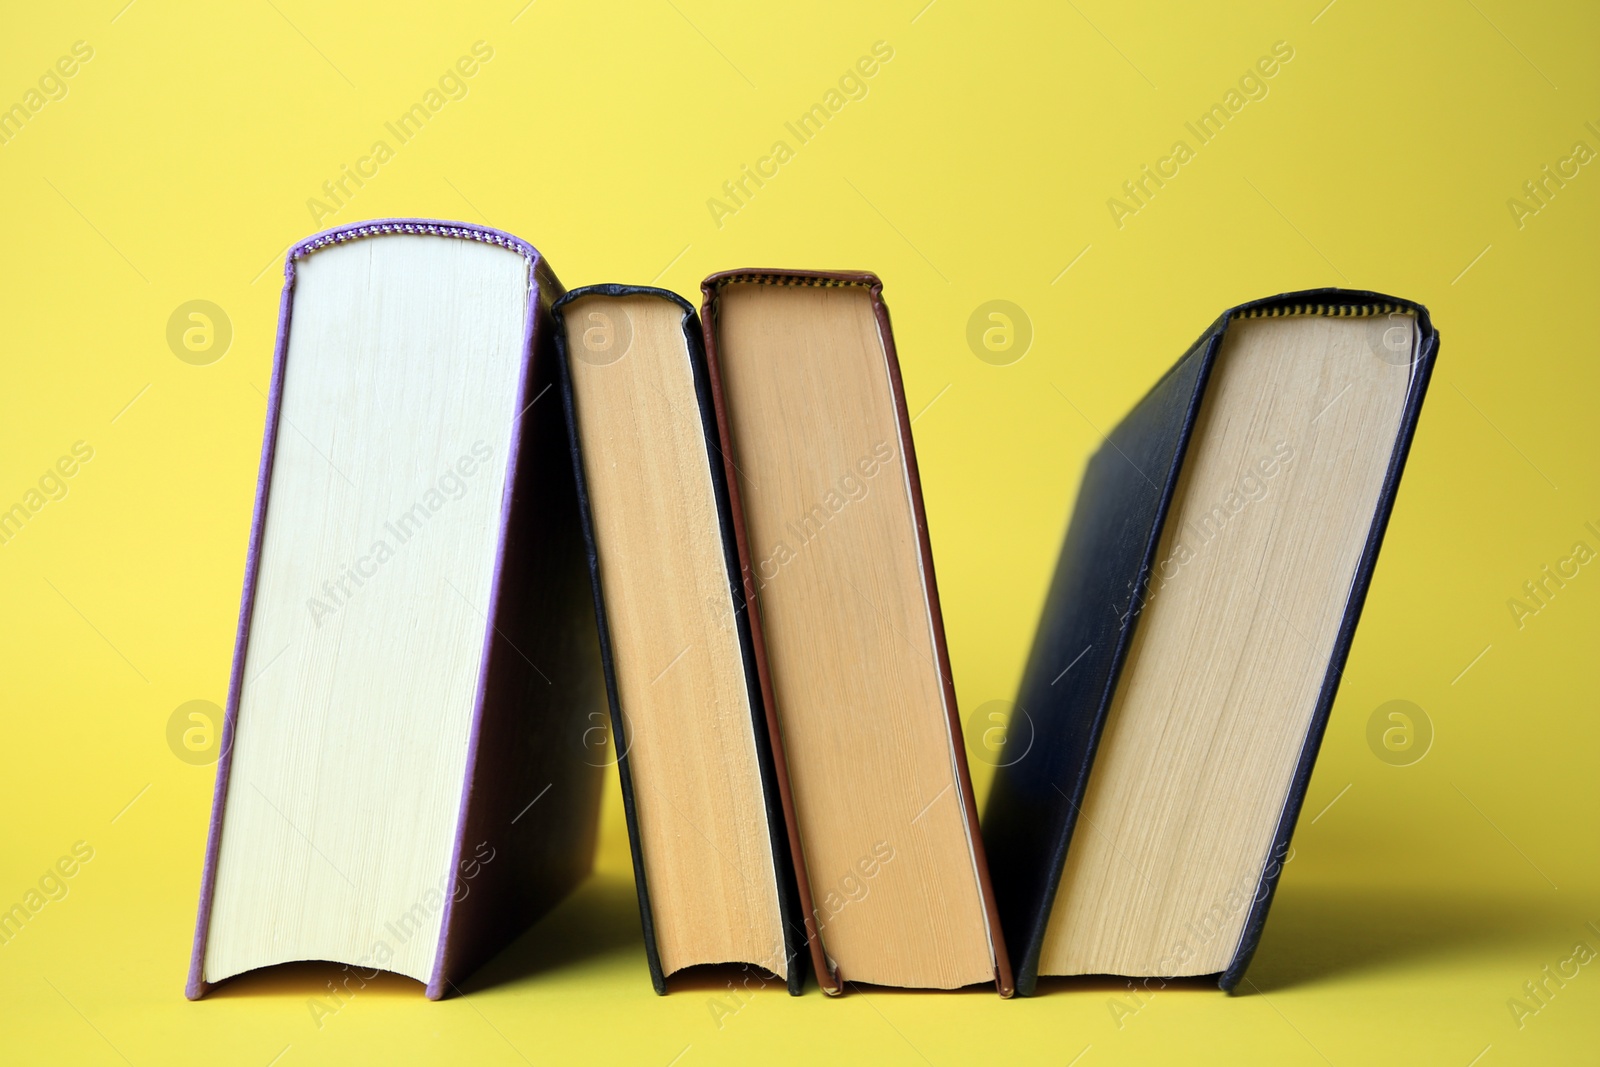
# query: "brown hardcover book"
{"type": "Point", "coordinates": [849, 641]}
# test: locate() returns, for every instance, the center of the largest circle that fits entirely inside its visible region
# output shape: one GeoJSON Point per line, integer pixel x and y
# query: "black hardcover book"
{"type": "Point", "coordinates": [703, 789]}
{"type": "Point", "coordinates": [1193, 639]}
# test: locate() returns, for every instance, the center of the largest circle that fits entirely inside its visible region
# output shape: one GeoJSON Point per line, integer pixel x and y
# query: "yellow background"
{"type": "Point", "coordinates": [179, 165]}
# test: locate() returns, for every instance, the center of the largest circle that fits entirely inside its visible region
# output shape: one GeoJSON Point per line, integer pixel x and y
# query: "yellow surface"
{"type": "Point", "coordinates": [977, 166]}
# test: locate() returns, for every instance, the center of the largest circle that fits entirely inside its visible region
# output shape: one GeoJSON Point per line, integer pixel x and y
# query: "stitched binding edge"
{"type": "Point", "coordinates": [1338, 311]}
{"type": "Point", "coordinates": [791, 279]}
{"type": "Point", "coordinates": [435, 229]}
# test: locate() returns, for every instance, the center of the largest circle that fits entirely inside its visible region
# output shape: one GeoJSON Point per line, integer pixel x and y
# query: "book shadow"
{"type": "Point", "coordinates": [600, 918]}
{"type": "Point", "coordinates": [1316, 933]}
{"type": "Point", "coordinates": [1117, 984]}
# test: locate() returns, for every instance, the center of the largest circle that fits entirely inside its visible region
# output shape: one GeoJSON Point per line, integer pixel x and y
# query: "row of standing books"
{"type": "Point", "coordinates": [506, 535]}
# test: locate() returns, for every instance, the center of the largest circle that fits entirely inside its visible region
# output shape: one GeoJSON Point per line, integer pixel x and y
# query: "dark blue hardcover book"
{"type": "Point", "coordinates": [1193, 639]}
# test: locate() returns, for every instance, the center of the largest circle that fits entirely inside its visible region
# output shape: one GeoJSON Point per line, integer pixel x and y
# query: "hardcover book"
{"type": "Point", "coordinates": [849, 643]}
{"type": "Point", "coordinates": [402, 783]}
{"type": "Point", "coordinates": [1193, 639]}
{"type": "Point", "coordinates": [703, 795]}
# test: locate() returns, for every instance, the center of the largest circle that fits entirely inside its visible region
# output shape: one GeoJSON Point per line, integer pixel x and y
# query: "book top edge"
{"type": "Point", "coordinates": [616, 289]}
{"type": "Point", "coordinates": [771, 276]}
{"type": "Point", "coordinates": [1328, 302]}
{"type": "Point", "coordinates": [1336, 311]}
{"type": "Point", "coordinates": [422, 227]}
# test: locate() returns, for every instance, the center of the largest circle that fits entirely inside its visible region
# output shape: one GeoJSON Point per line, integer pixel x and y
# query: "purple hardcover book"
{"type": "Point", "coordinates": [408, 775]}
